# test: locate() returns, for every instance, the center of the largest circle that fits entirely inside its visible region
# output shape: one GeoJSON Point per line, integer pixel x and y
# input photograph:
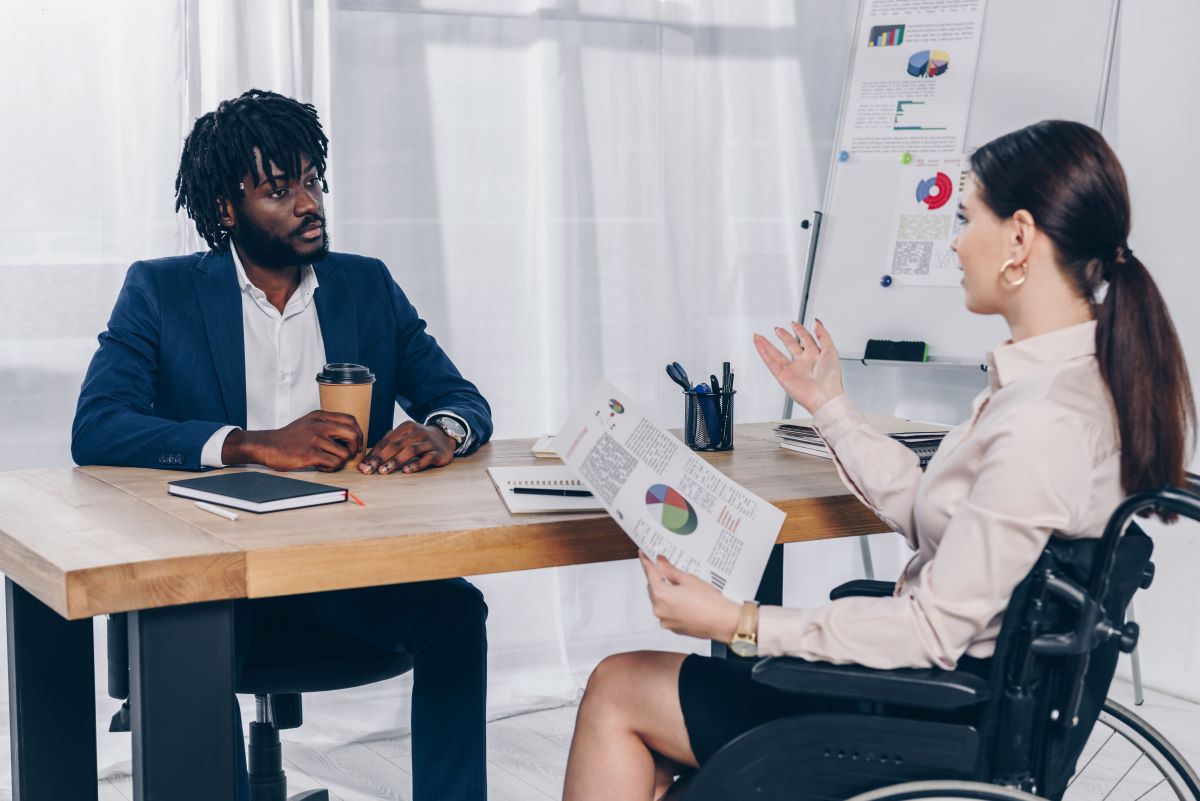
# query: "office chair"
{"type": "Point", "coordinates": [281, 665]}
{"type": "Point", "coordinates": [1016, 731]}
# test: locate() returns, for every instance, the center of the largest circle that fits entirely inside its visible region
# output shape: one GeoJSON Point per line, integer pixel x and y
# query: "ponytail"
{"type": "Point", "coordinates": [1069, 179]}
{"type": "Point", "coordinates": [1143, 364]}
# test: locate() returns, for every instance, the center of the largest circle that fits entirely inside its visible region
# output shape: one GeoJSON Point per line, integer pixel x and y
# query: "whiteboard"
{"type": "Point", "coordinates": [1038, 59]}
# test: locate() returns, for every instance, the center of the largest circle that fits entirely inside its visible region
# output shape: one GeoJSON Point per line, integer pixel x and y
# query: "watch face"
{"type": "Point", "coordinates": [744, 647]}
{"type": "Point", "coordinates": [452, 427]}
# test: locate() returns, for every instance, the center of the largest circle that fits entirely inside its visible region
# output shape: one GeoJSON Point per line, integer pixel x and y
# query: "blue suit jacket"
{"type": "Point", "coordinates": [171, 368]}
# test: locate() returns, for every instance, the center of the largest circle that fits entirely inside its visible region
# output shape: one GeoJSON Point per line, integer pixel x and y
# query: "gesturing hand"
{"type": "Point", "coordinates": [688, 605]}
{"type": "Point", "coordinates": [410, 446]}
{"type": "Point", "coordinates": [324, 440]}
{"type": "Point", "coordinates": [813, 374]}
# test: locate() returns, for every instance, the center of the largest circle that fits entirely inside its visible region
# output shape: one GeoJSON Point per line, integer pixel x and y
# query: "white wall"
{"type": "Point", "coordinates": [1158, 126]}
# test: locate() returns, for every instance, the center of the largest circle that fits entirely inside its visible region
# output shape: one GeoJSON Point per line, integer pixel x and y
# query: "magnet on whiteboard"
{"type": "Point", "coordinates": [843, 155]}
{"type": "Point", "coordinates": [886, 281]}
{"type": "Point", "coordinates": [906, 157]}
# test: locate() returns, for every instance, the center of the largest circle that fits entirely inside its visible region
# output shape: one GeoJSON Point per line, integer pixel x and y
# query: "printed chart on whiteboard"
{"type": "Point", "coordinates": [927, 222]}
{"type": "Point", "coordinates": [914, 71]}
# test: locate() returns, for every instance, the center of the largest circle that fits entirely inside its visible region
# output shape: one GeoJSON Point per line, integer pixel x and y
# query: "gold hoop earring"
{"type": "Point", "coordinates": [1004, 273]}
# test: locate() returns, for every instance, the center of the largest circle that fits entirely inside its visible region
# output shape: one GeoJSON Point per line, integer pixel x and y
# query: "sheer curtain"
{"type": "Point", "coordinates": [565, 190]}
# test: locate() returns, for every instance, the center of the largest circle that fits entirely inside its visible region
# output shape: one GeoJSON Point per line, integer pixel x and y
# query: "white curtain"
{"type": "Point", "coordinates": [564, 189]}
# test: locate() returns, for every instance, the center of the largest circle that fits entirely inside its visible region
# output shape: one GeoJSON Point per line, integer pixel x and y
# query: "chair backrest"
{"type": "Point", "coordinates": [1031, 735]}
{"type": "Point", "coordinates": [1059, 643]}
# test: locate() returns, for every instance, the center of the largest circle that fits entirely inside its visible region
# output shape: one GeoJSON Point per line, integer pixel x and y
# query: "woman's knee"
{"type": "Point", "coordinates": [622, 679]}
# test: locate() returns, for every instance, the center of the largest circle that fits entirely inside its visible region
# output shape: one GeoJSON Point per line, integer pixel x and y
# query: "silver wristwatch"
{"type": "Point", "coordinates": [454, 430]}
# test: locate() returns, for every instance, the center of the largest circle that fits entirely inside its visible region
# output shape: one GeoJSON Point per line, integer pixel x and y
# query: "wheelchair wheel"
{"type": "Point", "coordinates": [929, 791]}
{"type": "Point", "coordinates": [1126, 759]}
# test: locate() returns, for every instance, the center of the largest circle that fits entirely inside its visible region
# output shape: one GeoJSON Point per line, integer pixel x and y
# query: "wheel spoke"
{"type": "Point", "coordinates": [1152, 789]}
{"type": "Point", "coordinates": [1081, 771]}
{"type": "Point", "coordinates": [1123, 775]}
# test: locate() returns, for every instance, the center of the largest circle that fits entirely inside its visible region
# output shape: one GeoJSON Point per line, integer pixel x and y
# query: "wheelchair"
{"type": "Point", "coordinates": [1032, 722]}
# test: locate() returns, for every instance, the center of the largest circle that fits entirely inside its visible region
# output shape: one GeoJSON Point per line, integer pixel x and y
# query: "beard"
{"type": "Point", "coordinates": [276, 252]}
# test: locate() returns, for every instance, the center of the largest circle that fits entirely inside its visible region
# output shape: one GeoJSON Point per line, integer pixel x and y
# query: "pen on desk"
{"type": "Point", "coordinates": [354, 498]}
{"type": "Point", "coordinates": [566, 493]}
{"type": "Point", "coordinates": [217, 510]}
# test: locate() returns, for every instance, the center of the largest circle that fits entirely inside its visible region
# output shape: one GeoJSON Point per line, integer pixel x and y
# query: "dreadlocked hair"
{"type": "Point", "coordinates": [219, 153]}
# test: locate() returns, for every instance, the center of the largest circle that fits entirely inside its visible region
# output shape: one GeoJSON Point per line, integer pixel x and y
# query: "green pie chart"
{"type": "Point", "coordinates": [671, 509]}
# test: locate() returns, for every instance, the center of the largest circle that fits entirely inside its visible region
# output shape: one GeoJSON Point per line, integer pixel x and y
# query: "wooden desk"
{"type": "Point", "coordinates": [75, 543]}
{"type": "Point", "coordinates": [98, 540]}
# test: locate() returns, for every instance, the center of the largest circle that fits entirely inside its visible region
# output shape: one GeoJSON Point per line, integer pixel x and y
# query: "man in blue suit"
{"type": "Point", "coordinates": [211, 359]}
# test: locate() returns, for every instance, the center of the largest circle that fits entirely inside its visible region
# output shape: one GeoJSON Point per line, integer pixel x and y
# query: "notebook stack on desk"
{"type": "Point", "coordinates": [921, 438]}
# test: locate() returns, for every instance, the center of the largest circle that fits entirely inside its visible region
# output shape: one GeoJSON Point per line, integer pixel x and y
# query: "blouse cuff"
{"type": "Point", "coordinates": [837, 418]}
{"type": "Point", "coordinates": [778, 628]}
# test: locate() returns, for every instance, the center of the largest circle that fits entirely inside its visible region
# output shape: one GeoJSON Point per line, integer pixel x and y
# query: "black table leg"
{"type": "Point", "coordinates": [181, 696]}
{"type": "Point", "coordinates": [51, 702]}
{"type": "Point", "coordinates": [770, 591]}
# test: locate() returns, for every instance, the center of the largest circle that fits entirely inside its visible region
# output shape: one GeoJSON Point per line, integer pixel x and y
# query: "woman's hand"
{"type": "Point", "coordinates": [813, 375]}
{"type": "Point", "coordinates": [688, 605]}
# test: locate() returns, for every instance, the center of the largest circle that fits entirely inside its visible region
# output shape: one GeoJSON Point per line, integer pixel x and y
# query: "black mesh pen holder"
{"type": "Point", "coordinates": [708, 420]}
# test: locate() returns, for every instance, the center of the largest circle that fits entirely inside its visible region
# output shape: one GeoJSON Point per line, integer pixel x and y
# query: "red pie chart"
{"type": "Point", "coordinates": [935, 192]}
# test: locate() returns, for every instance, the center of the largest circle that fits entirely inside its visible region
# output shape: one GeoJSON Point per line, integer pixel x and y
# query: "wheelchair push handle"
{"type": "Point", "coordinates": [1092, 627]}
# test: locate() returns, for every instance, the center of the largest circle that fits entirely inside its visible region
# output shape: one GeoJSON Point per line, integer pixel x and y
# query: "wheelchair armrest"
{"type": "Point", "coordinates": [864, 587]}
{"type": "Point", "coordinates": [929, 688]}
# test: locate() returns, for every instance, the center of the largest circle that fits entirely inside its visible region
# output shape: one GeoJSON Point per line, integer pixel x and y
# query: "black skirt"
{"type": "Point", "coordinates": [721, 701]}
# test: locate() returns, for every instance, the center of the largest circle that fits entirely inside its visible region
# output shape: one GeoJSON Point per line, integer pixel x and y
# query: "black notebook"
{"type": "Point", "coordinates": [256, 491]}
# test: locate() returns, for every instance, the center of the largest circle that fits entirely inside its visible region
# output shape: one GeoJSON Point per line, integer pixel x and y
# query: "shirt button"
{"type": "Point", "coordinates": [283, 376]}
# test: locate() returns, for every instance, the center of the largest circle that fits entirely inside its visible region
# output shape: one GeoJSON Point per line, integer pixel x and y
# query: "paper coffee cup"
{"type": "Point", "coordinates": [347, 388]}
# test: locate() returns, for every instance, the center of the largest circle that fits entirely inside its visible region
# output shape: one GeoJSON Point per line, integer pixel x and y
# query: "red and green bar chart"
{"type": "Point", "coordinates": [885, 36]}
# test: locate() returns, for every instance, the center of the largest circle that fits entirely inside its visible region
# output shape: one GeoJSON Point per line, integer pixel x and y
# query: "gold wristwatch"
{"type": "Point", "coordinates": [745, 638]}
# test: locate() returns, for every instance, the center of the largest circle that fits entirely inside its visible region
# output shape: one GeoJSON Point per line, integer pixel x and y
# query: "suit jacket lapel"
{"type": "Point", "coordinates": [220, 297]}
{"type": "Point", "coordinates": [336, 312]}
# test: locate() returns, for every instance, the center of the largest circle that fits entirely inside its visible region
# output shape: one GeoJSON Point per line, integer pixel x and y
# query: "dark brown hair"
{"type": "Point", "coordinates": [1069, 179]}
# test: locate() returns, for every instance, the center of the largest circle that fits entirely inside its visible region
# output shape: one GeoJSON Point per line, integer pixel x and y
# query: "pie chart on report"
{"type": "Point", "coordinates": [928, 63]}
{"type": "Point", "coordinates": [671, 509]}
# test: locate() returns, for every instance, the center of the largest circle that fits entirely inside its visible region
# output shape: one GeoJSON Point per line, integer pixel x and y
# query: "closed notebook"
{"type": "Point", "coordinates": [256, 491]}
{"type": "Point", "coordinates": [550, 477]}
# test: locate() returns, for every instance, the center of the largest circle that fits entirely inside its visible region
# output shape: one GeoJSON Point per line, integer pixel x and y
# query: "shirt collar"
{"type": "Point", "coordinates": [308, 278]}
{"type": "Point", "coordinates": [1014, 360]}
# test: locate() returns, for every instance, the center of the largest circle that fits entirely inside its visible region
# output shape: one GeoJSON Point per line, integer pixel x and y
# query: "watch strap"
{"type": "Point", "coordinates": [747, 625]}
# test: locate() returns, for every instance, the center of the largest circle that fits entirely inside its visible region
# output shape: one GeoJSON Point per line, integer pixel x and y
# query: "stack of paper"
{"type": "Point", "coordinates": [921, 438]}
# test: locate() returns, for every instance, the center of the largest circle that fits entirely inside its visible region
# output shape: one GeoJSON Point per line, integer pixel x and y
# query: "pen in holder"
{"type": "Point", "coordinates": [708, 420]}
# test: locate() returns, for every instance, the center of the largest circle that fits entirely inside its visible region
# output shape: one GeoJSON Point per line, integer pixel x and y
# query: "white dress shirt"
{"type": "Point", "coordinates": [284, 354]}
{"type": "Point", "coordinates": [1039, 456]}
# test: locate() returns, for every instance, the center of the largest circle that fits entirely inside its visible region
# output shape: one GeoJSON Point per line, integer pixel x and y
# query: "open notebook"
{"type": "Point", "coordinates": [549, 477]}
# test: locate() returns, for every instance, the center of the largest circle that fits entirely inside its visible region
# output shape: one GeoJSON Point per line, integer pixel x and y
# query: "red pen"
{"type": "Point", "coordinates": [355, 498]}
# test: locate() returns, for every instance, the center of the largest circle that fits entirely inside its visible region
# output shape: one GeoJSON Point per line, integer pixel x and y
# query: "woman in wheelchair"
{"type": "Point", "coordinates": [1088, 402]}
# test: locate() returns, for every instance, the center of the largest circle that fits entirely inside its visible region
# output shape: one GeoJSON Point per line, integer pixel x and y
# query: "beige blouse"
{"type": "Point", "coordinates": [1039, 455]}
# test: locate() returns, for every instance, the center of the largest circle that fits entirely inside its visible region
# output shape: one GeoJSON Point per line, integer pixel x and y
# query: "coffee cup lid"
{"type": "Point", "coordinates": [342, 373]}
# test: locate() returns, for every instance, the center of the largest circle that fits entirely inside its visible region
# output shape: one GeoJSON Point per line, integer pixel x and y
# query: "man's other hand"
{"type": "Point", "coordinates": [409, 447]}
{"type": "Point", "coordinates": [324, 440]}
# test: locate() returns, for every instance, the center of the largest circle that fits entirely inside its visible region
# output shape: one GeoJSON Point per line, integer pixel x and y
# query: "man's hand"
{"type": "Point", "coordinates": [410, 447]}
{"type": "Point", "coordinates": [688, 605]}
{"type": "Point", "coordinates": [324, 440]}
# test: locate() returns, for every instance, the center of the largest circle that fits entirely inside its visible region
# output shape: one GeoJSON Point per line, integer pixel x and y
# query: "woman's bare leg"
{"type": "Point", "coordinates": [629, 735]}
